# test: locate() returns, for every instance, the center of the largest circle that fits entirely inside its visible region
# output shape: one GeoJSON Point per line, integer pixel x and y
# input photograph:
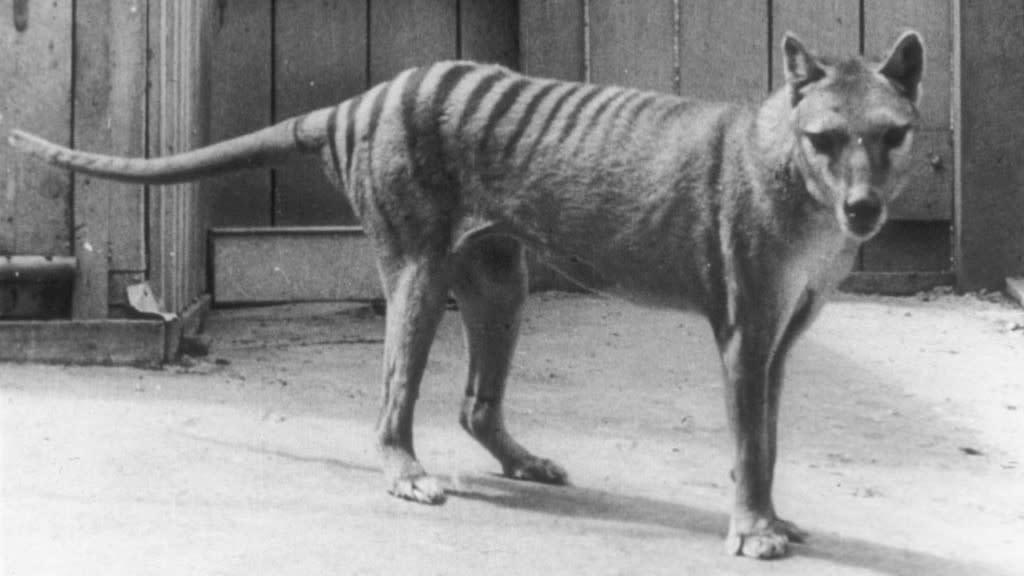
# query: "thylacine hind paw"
{"type": "Point", "coordinates": [535, 469]}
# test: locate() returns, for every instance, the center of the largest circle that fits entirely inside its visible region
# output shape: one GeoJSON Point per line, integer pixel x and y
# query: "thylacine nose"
{"type": "Point", "coordinates": [863, 213]}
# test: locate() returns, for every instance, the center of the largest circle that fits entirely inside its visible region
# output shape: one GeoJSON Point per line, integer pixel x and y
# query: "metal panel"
{"type": "Point", "coordinates": [293, 264]}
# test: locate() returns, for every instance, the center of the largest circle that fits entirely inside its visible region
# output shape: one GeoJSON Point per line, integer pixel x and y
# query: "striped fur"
{"type": "Point", "coordinates": [750, 215]}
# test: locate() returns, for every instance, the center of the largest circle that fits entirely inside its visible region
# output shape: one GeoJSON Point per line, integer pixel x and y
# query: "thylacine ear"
{"type": "Point", "coordinates": [904, 66]}
{"type": "Point", "coordinates": [801, 66]}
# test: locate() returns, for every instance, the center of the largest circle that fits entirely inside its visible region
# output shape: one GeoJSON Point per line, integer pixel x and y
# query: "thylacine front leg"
{"type": "Point", "coordinates": [754, 350]}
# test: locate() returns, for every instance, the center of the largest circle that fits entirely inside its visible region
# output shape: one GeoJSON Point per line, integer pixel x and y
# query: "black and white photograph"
{"type": "Point", "coordinates": [489, 287]}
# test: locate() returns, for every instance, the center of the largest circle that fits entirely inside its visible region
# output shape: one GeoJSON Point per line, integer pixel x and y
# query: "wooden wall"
{"type": "Point", "coordinates": [727, 50]}
{"type": "Point", "coordinates": [990, 113]}
{"type": "Point", "coordinates": [284, 57]}
{"type": "Point", "coordinates": [122, 77]}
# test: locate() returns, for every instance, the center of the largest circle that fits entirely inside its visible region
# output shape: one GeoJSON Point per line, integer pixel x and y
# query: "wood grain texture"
{"type": "Point", "coordinates": [488, 31]}
{"type": "Point", "coordinates": [929, 191]}
{"type": "Point", "coordinates": [35, 207]}
{"type": "Point", "coordinates": [241, 92]}
{"type": "Point", "coordinates": [178, 33]}
{"type": "Point", "coordinates": [551, 38]}
{"type": "Point", "coordinates": [110, 116]}
{"type": "Point", "coordinates": [990, 193]}
{"type": "Point", "coordinates": [632, 43]}
{"type": "Point", "coordinates": [909, 246]}
{"type": "Point", "coordinates": [885, 20]}
{"type": "Point", "coordinates": [407, 33]}
{"type": "Point", "coordinates": [826, 26]}
{"type": "Point", "coordinates": [131, 342]}
{"type": "Point", "coordinates": [293, 264]}
{"type": "Point", "coordinates": [320, 57]}
{"type": "Point", "coordinates": [723, 50]}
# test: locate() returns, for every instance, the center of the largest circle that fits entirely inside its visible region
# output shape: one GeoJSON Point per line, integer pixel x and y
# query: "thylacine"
{"type": "Point", "coordinates": [748, 215]}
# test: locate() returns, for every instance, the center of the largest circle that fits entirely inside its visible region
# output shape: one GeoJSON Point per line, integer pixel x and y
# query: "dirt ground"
{"type": "Point", "coordinates": [901, 451]}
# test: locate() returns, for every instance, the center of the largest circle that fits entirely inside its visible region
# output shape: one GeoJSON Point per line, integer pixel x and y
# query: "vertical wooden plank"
{"type": "Point", "coordinates": [35, 208]}
{"type": "Point", "coordinates": [110, 116]}
{"type": "Point", "coordinates": [551, 38]}
{"type": "Point", "coordinates": [488, 31]}
{"type": "Point", "coordinates": [884, 20]}
{"type": "Point", "coordinates": [632, 43]}
{"type": "Point", "coordinates": [240, 102]}
{"type": "Point", "coordinates": [320, 60]}
{"type": "Point", "coordinates": [830, 27]}
{"type": "Point", "coordinates": [723, 50]}
{"type": "Point", "coordinates": [407, 33]}
{"type": "Point", "coordinates": [989, 200]}
{"type": "Point", "coordinates": [163, 91]}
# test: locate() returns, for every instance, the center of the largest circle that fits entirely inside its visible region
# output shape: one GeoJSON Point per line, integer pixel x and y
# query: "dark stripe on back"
{"type": "Point", "coordinates": [376, 110]}
{"type": "Point", "coordinates": [332, 132]}
{"type": "Point", "coordinates": [541, 134]}
{"type": "Point", "coordinates": [475, 98]}
{"type": "Point", "coordinates": [596, 119]}
{"type": "Point", "coordinates": [423, 130]}
{"type": "Point", "coordinates": [524, 120]}
{"type": "Point", "coordinates": [644, 104]}
{"type": "Point", "coordinates": [350, 132]}
{"type": "Point", "coordinates": [574, 116]}
{"type": "Point", "coordinates": [412, 122]}
{"type": "Point", "coordinates": [500, 109]}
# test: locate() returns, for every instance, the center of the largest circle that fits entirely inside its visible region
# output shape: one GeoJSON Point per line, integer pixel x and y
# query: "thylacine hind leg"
{"type": "Point", "coordinates": [416, 292]}
{"type": "Point", "coordinates": [490, 283]}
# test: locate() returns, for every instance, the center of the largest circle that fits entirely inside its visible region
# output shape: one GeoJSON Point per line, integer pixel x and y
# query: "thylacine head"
{"type": "Point", "coordinates": [850, 127]}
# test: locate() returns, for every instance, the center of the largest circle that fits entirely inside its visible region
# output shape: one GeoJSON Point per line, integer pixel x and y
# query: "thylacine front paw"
{"type": "Point", "coordinates": [423, 489]}
{"type": "Point", "coordinates": [406, 479]}
{"type": "Point", "coordinates": [762, 538]}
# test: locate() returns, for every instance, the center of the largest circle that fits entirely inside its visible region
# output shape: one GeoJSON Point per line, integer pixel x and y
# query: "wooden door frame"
{"type": "Point", "coordinates": [988, 125]}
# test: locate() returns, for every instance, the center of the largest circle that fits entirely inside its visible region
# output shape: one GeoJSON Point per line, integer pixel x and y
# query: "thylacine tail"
{"type": "Point", "coordinates": [270, 146]}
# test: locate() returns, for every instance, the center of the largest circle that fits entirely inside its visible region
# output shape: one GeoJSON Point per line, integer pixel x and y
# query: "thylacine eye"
{"type": "Point", "coordinates": [828, 142]}
{"type": "Point", "coordinates": [893, 137]}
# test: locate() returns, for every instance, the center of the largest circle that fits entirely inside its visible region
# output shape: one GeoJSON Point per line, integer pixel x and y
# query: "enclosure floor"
{"type": "Point", "coordinates": [902, 450]}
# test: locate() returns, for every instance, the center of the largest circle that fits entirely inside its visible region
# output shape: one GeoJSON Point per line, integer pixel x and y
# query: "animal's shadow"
{"type": "Point", "coordinates": [602, 505]}
{"type": "Point", "coordinates": [579, 502]}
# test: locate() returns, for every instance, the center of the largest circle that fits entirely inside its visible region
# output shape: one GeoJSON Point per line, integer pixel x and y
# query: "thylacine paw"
{"type": "Point", "coordinates": [539, 470]}
{"type": "Point", "coordinates": [770, 541]}
{"type": "Point", "coordinates": [422, 489]}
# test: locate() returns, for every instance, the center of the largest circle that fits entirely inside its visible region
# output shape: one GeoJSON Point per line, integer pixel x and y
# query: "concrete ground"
{"type": "Point", "coordinates": [902, 449]}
